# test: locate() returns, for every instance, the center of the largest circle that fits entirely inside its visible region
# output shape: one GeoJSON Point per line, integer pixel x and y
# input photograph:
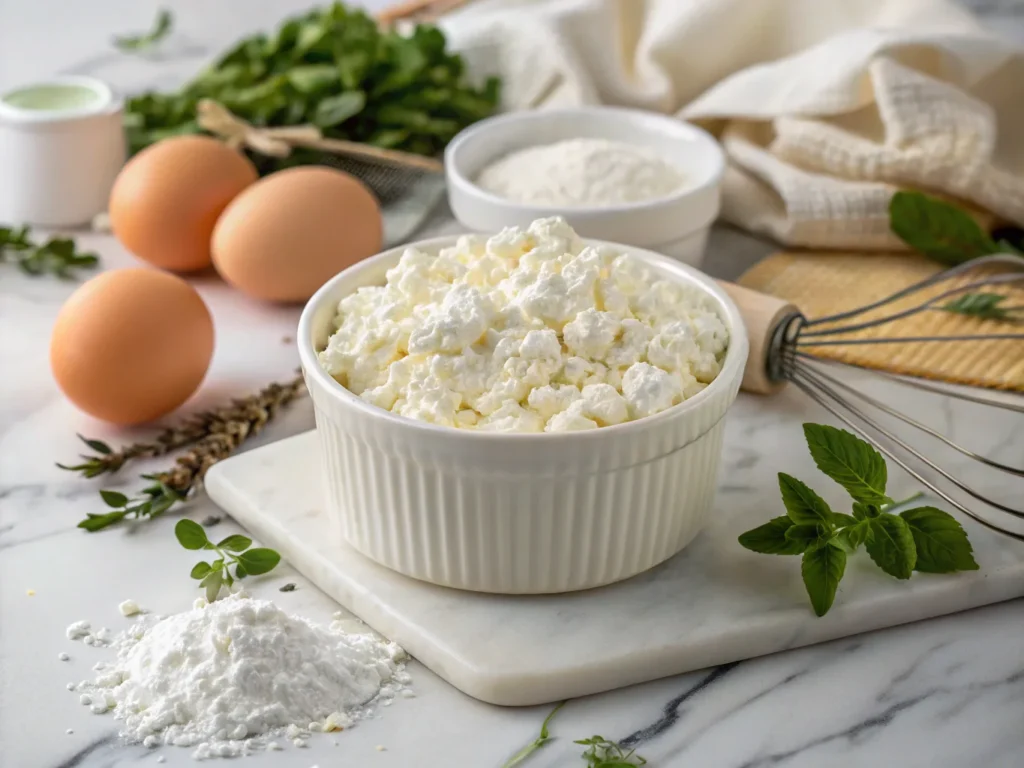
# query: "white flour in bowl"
{"type": "Point", "coordinates": [581, 172]}
{"type": "Point", "coordinates": [240, 675]}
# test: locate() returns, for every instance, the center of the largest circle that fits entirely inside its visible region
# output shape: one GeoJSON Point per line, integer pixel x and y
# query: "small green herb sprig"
{"type": "Point", "coordinates": [602, 753]}
{"type": "Point", "coordinates": [923, 539]}
{"type": "Point", "coordinates": [599, 753]}
{"type": "Point", "coordinates": [153, 502]}
{"type": "Point", "coordinates": [232, 552]}
{"type": "Point", "coordinates": [57, 256]}
{"type": "Point", "coordinates": [161, 28]}
{"type": "Point", "coordinates": [985, 306]}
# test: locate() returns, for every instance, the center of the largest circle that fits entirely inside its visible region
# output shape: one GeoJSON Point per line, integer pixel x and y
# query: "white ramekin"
{"type": "Point", "coordinates": [516, 513]}
{"type": "Point", "coordinates": [58, 166]}
{"type": "Point", "coordinates": [676, 225]}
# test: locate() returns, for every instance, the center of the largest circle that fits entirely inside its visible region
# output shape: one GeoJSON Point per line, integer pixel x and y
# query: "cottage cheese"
{"type": "Point", "coordinates": [527, 331]}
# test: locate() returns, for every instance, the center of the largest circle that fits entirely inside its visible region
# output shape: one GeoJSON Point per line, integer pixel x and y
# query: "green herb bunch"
{"type": "Point", "coordinates": [333, 68]}
{"type": "Point", "coordinates": [923, 539]}
{"type": "Point", "coordinates": [56, 256]}
{"type": "Point", "coordinates": [947, 234]}
{"type": "Point", "coordinates": [232, 552]}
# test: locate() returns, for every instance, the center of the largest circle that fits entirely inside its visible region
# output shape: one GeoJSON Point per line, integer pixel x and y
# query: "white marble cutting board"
{"type": "Point", "coordinates": [711, 604]}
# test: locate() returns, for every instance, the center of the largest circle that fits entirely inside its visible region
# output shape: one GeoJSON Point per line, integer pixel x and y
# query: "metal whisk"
{"type": "Point", "coordinates": [781, 344]}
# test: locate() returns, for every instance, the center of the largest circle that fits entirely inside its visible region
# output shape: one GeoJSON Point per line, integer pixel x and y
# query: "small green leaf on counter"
{"type": "Point", "coordinates": [161, 28]}
{"type": "Point", "coordinates": [891, 546]}
{"type": "Point", "coordinates": [770, 538]}
{"type": "Point", "coordinates": [113, 498]}
{"type": "Point", "coordinates": [938, 229]}
{"type": "Point", "coordinates": [802, 504]}
{"type": "Point", "coordinates": [941, 542]}
{"type": "Point", "coordinates": [57, 256]}
{"type": "Point", "coordinates": [822, 570]}
{"type": "Point", "coordinates": [985, 306]}
{"type": "Point", "coordinates": [604, 753]}
{"type": "Point", "coordinates": [923, 539]}
{"type": "Point", "coordinates": [289, 587]}
{"type": "Point", "coordinates": [190, 534]}
{"type": "Point", "coordinates": [850, 461]}
{"type": "Point", "coordinates": [536, 744]}
{"type": "Point", "coordinates": [233, 552]}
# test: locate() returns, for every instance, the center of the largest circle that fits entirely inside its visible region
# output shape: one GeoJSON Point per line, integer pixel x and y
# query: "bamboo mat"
{"type": "Point", "coordinates": [824, 284]}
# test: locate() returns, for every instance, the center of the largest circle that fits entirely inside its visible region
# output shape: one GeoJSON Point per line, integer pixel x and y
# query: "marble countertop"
{"type": "Point", "coordinates": [945, 692]}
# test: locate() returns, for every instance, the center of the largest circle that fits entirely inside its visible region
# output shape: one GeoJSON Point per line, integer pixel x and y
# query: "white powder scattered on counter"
{"type": "Point", "coordinates": [581, 172]}
{"type": "Point", "coordinates": [226, 677]}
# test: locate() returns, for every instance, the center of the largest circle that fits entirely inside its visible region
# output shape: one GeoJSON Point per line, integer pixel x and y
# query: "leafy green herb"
{"type": "Point", "coordinates": [161, 28]}
{"type": "Point", "coordinates": [57, 256]}
{"type": "Point", "coordinates": [848, 460]}
{"type": "Point", "coordinates": [982, 305]}
{"type": "Point", "coordinates": [938, 229]}
{"type": "Point", "coordinates": [154, 501]}
{"type": "Point", "coordinates": [537, 743]}
{"type": "Point", "coordinates": [924, 539]}
{"type": "Point", "coordinates": [335, 68]}
{"type": "Point", "coordinates": [940, 541]}
{"type": "Point", "coordinates": [233, 551]}
{"type": "Point", "coordinates": [602, 753]}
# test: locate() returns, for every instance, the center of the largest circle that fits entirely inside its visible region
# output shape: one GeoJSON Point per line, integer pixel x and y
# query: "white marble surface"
{"type": "Point", "coordinates": [945, 692]}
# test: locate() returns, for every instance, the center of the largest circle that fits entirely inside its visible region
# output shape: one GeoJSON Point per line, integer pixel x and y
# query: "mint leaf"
{"type": "Point", "coordinates": [865, 511]}
{"type": "Point", "coordinates": [337, 109]}
{"type": "Point", "coordinates": [114, 499]}
{"type": "Point", "coordinates": [259, 560]}
{"type": "Point", "coordinates": [770, 538]}
{"type": "Point", "coordinates": [807, 534]}
{"type": "Point", "coordinates": [200, 570]}
{"type": "Point", "coordinates": [851, 537]}
{"type": "Point", "coordinates": [235, 543]}
{"type": "Point", "coordinates": [941, 543]}
{"type": "Point", "coordinates": [891, 546]}
{"type": "Point", "coordinates": [822, 570]}
{"type": "Point", "coordinates": [848, 460]}
{"type": "Point", "coordinates": [190, 534]}
{"type": "Point", "coordinates": [802, 504]}
{"type": "Point", "coordinates": [938, 229]}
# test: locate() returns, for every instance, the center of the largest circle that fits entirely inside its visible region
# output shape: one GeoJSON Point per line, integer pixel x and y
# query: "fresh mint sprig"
{"type": "Point", "coordinates": [233, 551]}
{"type": "Point", "coordinates": [923, 539]}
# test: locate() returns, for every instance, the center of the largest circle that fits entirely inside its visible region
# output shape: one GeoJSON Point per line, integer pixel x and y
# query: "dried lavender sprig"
{"type": "Point", "coordinates": [192, 429]}
{"type": "Point", "coordinates": [175, 485]}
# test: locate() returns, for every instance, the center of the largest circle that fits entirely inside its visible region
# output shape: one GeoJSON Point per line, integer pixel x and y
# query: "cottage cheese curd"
{"type": "Point", "coordinates": [527, 331]}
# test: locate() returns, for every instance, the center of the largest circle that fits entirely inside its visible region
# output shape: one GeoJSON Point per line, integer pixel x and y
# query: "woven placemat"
{"type": "Point", "coordinates": [822, 284]}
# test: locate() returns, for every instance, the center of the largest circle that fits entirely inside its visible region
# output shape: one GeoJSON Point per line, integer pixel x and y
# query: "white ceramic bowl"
{"type": "Point", "coordinates": [507, 512]}
{"type": "Point", "coordinates": [676, 225]}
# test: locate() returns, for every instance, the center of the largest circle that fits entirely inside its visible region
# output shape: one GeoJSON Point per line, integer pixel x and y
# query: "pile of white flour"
{"type": "Point", "coordinates": [240, 675]}
{"type": "Point", "coordinates": [581, 172]}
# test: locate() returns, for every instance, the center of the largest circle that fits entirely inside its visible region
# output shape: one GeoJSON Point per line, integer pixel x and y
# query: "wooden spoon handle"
{"type": "Point", "coordinates": [761, 315]}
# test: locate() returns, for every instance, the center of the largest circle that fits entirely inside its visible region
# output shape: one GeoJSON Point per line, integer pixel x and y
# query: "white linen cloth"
{"type": "Point", "coordinates": [824, 107]}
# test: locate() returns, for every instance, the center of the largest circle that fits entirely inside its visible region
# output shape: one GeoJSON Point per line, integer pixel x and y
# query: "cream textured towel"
{"type": "Point", "coordinates": [824, 107]}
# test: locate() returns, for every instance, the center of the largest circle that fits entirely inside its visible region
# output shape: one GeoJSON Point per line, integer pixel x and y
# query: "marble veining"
{"type": "Point", "coordinates": [937, 693]}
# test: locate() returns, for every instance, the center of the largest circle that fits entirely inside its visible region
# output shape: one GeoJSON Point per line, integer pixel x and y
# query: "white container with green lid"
{"type": "Point", "coordinates": [61, 146]}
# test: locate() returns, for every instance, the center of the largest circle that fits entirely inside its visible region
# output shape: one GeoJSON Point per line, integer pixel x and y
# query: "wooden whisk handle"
{"type": "Point", "coordinates": [761, 315]}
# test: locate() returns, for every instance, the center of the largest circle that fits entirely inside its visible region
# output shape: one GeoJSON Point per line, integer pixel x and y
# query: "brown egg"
{"type": "Point", "coordinates": [166, 200]}
{"type": "Point", "coordinates": [131, 345]}
{"type": "Point", "coordinates": [292, 231]}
